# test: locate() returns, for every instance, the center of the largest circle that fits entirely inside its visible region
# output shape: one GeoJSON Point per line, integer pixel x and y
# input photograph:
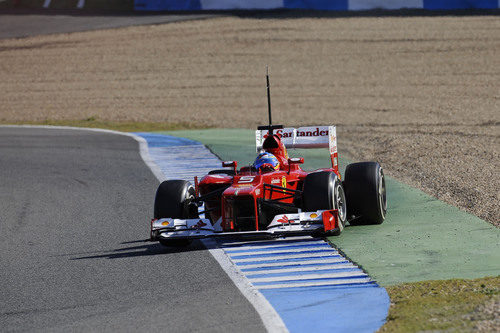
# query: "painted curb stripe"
{"type": "Point", "coordinates": [309, 276]}
{"type": "Point", "coordinates": [265, 242]}
{"type": "Point", "coordinates": [346, 282]}
{"type": "Point", "coordinates": [270, 317]}
{"type": "Point", "coordinates": [331, 263]}
{"type": "Point", "coordinates": [324, 261]}
{"type": "Point", "coordinates": [183, 161]}
{"type": "Point", "coordinates": [256, 252]}
{"type": "Point", "coordinates": [305, 268]}
{"type": "Point", "coordinates": [282, 253]}
{"type": "Point", "coordinates": [285, 257]}
{"type": "Point", "coordinates": [295, 271]}
{"type": "Point", "coordinates": [279, 246]}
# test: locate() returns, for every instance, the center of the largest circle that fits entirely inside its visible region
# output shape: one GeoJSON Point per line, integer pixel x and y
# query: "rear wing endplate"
{"type": "Point", "coordinates": [305, 137]}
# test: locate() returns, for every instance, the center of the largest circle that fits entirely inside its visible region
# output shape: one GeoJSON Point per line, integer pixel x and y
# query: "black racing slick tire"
{"type": "Point", "coordinates": [324, 191]}
{"type": "Point", "coordinates": [174, 199]}
{"type": "Point", "coordinates": [364, 184]}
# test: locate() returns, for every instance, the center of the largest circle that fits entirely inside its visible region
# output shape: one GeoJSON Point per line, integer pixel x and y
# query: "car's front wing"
{"type": "Point", "coordinates": [297, 224]}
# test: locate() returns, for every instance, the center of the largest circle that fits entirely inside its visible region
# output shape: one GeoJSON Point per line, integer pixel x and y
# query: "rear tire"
{"type": "Point", "coordinates": [174, 199]}
{"type": "Point", "coordinates": [365, 191]}
{"type": "Point", "coordinates": [324, 191]}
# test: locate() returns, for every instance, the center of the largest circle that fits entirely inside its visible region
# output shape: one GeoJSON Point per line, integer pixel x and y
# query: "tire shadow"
{"type": "Point", "coordinates": [146, 249]}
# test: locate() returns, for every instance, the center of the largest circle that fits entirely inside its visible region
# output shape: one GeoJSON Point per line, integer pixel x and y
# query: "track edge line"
{"type": "Point", "coordinates": [270, 318]}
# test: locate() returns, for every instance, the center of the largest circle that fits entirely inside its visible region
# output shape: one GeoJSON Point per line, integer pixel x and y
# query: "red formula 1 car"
{"type": "Point", "coordinates": [274, 196]}
{"type": "Point", "coordinates": [272, 199]}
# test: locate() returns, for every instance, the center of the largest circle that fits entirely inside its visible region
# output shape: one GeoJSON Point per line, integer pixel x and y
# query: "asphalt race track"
{"type": "Point", "coordinates": [24, 23]}
{"type": "Point", "coordinates": [74, 208]}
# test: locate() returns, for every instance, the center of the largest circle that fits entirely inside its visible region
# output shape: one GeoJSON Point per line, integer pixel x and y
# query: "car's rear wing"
{"type": "Point", "coordinates": [305, 137]}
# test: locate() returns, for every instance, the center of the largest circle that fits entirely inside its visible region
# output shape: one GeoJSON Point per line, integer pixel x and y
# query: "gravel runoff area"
{"type": "Point", "coordinates": [419, 94]}
{"type": "Point", "coordinates": [487, 316]}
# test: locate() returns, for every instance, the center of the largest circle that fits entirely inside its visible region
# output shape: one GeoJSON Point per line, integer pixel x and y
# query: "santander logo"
{"type": "Point", "coordinates": [316, 132]}
{"type": "Point", "coordinates": [306, 131]}
{"type": "Point", "coordinates": [284, 219]}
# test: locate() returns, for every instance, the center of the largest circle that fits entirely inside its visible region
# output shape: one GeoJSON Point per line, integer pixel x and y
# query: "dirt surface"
{"type": "Point", "coordinates": [419, 94]}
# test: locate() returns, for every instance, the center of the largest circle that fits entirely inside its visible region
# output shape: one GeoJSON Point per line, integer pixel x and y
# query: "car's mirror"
{"type": "Point", "coordinates": [233, 164]}
{"type": "Point", "coordinates": [296, 160]}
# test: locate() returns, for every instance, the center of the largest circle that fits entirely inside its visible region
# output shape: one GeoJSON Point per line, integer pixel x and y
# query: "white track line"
{"type": "Point", "coordinates": [287, 256]}
{"type": "Point", "coordinates": [309, 277]}
{"type": "Point", "coordinates": [270, 318]}
{"type": "Point", "coordinates": [327, 260]}
{"type": "Point", "coordinates": [265, 247]}
{"type": "Point", "coordinates": [292, 250]}
{"type": "Point", "coordinates": [300, 269]}
{"type": "Point", "coordinates": [315, 284]}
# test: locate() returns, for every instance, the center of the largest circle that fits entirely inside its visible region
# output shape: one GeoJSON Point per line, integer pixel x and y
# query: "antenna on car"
{"type": "Point", "coordinates": [270, 127]}
{"type": "Point", "coordinates": [269, 99]}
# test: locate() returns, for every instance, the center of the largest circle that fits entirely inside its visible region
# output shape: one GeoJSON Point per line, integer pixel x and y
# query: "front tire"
{"type": "Point", "coordinates": [324, 191]}
{"type": "Point", "coordinates": [174, 199]}
{"type": "Point", "coordinates": [364, 185]}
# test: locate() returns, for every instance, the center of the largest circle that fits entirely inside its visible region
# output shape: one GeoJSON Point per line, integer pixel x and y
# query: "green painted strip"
{"type": "Point", "coordinates": [421, 239]}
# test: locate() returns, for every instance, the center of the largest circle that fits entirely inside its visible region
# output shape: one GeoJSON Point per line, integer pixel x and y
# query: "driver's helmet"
{"type": "Point", "coordinates": [266, 162]}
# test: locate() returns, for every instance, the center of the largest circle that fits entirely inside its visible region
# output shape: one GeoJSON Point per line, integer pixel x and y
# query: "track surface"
{"type": "Point", "coordinates": [16, 24]}
{"type": "Point", "coordinates": [74, 209]}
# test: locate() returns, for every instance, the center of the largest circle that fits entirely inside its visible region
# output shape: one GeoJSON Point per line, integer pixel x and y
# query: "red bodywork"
{"type": "Point", "coordinates": [240, 202]}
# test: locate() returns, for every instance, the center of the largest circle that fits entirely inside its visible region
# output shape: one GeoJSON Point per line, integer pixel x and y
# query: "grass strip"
{"type": "Point", "coordinates": [445, 305]}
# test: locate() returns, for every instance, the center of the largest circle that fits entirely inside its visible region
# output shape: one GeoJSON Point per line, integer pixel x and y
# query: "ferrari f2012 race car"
{"type": "Point", "coordinates": [274, 196]}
